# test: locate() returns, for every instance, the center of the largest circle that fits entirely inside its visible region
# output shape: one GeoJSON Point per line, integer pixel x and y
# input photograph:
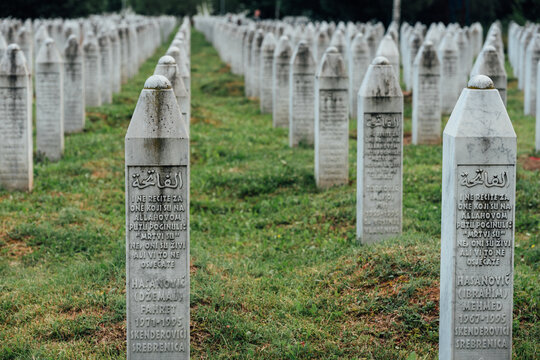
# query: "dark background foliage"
{"type": "Point", "coordinates": [426, 11]}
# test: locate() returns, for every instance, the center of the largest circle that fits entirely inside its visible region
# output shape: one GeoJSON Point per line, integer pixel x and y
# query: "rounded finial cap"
{"type": "Point", "coordinates": [380, 60]}
{"type": "Point", "coordinates": [157, 82]}
{"type": "Point", "coordinates": [166, 60]}
{"type": "Point", "coordinates": [481, 82]}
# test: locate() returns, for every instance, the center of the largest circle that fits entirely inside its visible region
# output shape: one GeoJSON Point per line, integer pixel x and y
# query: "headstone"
{"type": "Point", "coordinates": [450, 84]}
{"type": "Point", "coordinates": [116, 60]}
{"type": "Point", "coordinates": [380, 154]}
{"type": "Point", "coordinates": [389, 50]}
{"type": "Point", "coordinates": [524, 43]}
{"type": "Point", "coordinates": [25, 42]}
{"type": "Point", "coordinates": [358, 64]}
{"type": "Point", "coordinates": [16, 168]}
{"type": "Point", "coordinates": [92, 71]}
{"type": "Point", "coordinates": [488, 63]}
{"type": "Point", "coordinates": [3, 45]}
{"type": "Point", "coordinates": [321, 43]}
{"type": "Point", "coordinates": [106, 68]}
{"type": "Point", "coordinates": [537, 137]}
{"type": "Point", "coordinates": [331, 121]}
{"type": "Point", "coordinates": [426, 101]}
{"type": "Point", "coordinates": [49, 101]}
{"type": "Point", "coordinates": [532, 56]}
{"type": "Point", "coordinates": [73, 86]}
{"type": "Point", "coordinates": [302, 95]}
{"type": "Point", "coordinates": [157, 226]}
{"type": "Point", "coordinates": [477, 231]}
{"type": "Point", "coordinates": [256, 62]}
{"type": "Point", "coordinates": [248, 74]}
{"type": "Point", "coordinates": [413, 47]}
{"type": "Point", "coordinates": [280, 83]}
{"type": "Point", "coordinates": [464, 58]}
{"type": "Point", "coordinates": [167, 67]}
{"type": "Point", "coordinates": [123, 35]}
{"type": "Point", "coordinates": [267, 62]}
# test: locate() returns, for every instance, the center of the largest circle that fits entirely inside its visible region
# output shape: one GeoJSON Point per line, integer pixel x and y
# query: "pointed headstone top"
{"type": "Point", "coordinates": [48, 53]}
{"type": "Point", "coordinates": [13, 62]}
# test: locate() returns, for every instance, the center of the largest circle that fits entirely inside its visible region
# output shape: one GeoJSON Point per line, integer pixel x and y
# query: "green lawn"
{"type": "Point", "coordinates": [276, 272]}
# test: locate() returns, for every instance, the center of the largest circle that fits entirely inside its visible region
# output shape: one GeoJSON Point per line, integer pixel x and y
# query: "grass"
{"type": "Point", "coordinates": [276, 272]}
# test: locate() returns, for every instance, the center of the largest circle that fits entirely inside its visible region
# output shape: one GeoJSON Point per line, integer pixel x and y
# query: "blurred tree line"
{"type": "Point", "coordinates": [426, 11]}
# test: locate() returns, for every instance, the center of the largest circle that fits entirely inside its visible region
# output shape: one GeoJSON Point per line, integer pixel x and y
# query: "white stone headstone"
{"type": "Point", "coordinates": [537, 137]}
{"type": "Point", "coordinates": [331, 121]}
{"type": "Point", "coordinates": [532, 56]}
{"type": "Point", "coordinates": [380, 154]}
{"type": "Point", "coordinates": [280, 83]}
{"type": "Point", "coordinates": [388, 49]}
{"type": "Point", "coordinates": [92, 71]}
{"type": "Point", "coordinates": [359, 60]}
{"type": "Point", "coordinates": [488, 63]}
{"type": "Point", "coordinates": [256, 62]}
{"type": "Point", "coordinates": [157, 226]}
{"type": "Point", "coordinates": [167, 67]}
{"type": "Point", "coordinates": [426, 101]}
{"type": "Point", "coordinates": [73, 86]}
{"type": "Point", "coordinates": [450, 75]}
{"type": "Point", "coordinates": [267, 62]}
{"type": "Point", "coordinates": [477, 230]}
{"type": "Point", "coordinates": [50, 101]}
{"type": "Point", "coordinates": [16, 168]}
{"type": "Point", "coordinates": [302, 95]}
{"type": "Point", "coordinates": [105, 84]}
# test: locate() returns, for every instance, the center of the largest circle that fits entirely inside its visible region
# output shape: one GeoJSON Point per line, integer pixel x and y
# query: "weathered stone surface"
{"type": "Point", "coordinates": [359, 59]}
{"type": "Point", "coordinates": [450, 76]}
{"type": "Point", "coordinates": [426, 102]}
{"type": "Point", "coordinates": [157, 226]}
{"type": "Point", "coordinates": [73, 86]}
{"type": "Point", "coordinates": [167, 67]}
{"type": "Point", "coordinates": [256, 62]}
{"type": "Point", "coordinates": [532, 56]}
{"type": "Point", "coordinates": [321, 43]}
{"type": "Point", "coordinates": [280, 83]}
{"type": "Point", "coordinates": [380, 154]}
{"type": "Point", "coordinates": [388, 49]}
{"type": "Point", "coordinates": [488, 63]}
{"type": "Point", "coordinates": [92, 71]}
{"type": "Point", "coordinates": [331, 121]}
{"type": "Point", "coordinates": [105, 83]}
{"type": "Point", "coordinates": [50, 101]}
{"type": "Point", "coordinates": [537, 138]}
{"type": "Point", "coordinates": [16, 168]}
{"type": "Point", "coordinates": [477, 230]}
{"type": "Point", "coordinates": [26, 43]}
{"type": "Point", "coordinates": [267, 63]}
{"type": "Point", "coordinates": [248, 86]}
{"type": "Point", "coordinates": [302, 95]}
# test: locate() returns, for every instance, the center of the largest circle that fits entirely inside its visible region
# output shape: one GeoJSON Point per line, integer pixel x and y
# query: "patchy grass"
{"type": "Point", "coordinates": [276, 272]}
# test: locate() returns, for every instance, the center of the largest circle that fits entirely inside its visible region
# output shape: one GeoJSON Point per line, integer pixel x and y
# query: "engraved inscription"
{"type": "Point", "coordinates": [158, 261]}
{"type": "Point", "coordinates": [333, 137]}
{"type": "Point", "coordinates": [382, 174]}
{"type": "Point", "coordinates": [302, 108]}
{"type": "Point", "coordinates": [484, 262]}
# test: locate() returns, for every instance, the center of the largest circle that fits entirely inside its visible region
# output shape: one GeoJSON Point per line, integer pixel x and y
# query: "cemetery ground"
{"type": "Point", "coordinates": [275, 269]}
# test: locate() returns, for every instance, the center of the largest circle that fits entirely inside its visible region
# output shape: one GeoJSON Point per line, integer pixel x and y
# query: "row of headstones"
{"type": "Point", "coordinates": [524, 56]}
{"type": "Point", "coordinates": [157, 210]}
{"type": "Point", "coordinates": [283, 78]}
{"type": "Point", "coordinates": [479, 157]}
{"type": "Point", "coordinates": [66, 82]}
